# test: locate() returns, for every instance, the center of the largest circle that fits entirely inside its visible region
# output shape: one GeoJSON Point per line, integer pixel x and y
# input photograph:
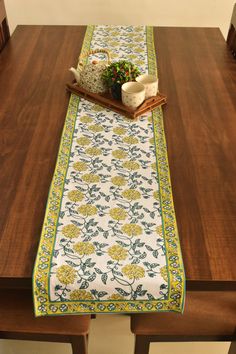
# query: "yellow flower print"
{"type": "Point", "coordinates": [139, 62]}
{"type": "Point", "coordinates": [87, 210]}
{"type": "Point", "coordinates": [138, 49]}
{"type": "Point", "coordinates": [86, 119]}
{"type": "Point", "coordinates": [131, 194]}
{"type": "Point", "coordinates": [119, 154]}
{"type": "Point", "coordinates": [156, 195]}
{"type": "Point", "coordinates": [150, 119]}
{"type": "Point", "coordinates": [116, 297]}
{"type": "Point", "coordinates": [90, 178]}
{"type": "Point", "coordinates": [115, 55]}
{"type": "Point", "coordinates": [131, 56]}
{"type": "Point", "coordinates": [154, 166]}
{"type": "Point", "coordinates": [96, 128]}
{"type": "Point", "coordinates": [75, 196]}
{"type": "Point", "coordinates": [114, 43]}
{"type": "Point", "coordinates": [130, 140]}
{"type": "Point", "coordinates": [133, 271]}
{"type": "Point", "coordinates": [131, 165]}
{"type": "Point", "coordinates": [117, 252]}
{"type": "Point", "coordinates": [118, 214]}
{"type": "Point", "coordinates": [81, 295]}
{"type": "Point", "coordinates": [66, 274]}
{"type": "Point", "coordinates": [119, 181]}
{"type": "Point", "coordinates": [97, 108]}
{"type": "Point", "coordinates": [80, 166]}
{"type": "Point", "coordinates": [114, 33]}
{"type": "Point", "coordinates": [132, 229]}
{"type": "Point", "coordinates": [159, 230]}
{"type": "Point", "coordinates": [151, 141]}
{"type": "Point", "coordinates": [164, 274]}
{"type": "Point", "coordinates": [84, 248]}
{"type": "Point", "coordinates": [83, 141]}
{"type": "Point", "coordinates": [129, 45]}
{"type": "Point", "coordinates": [119, 130]}
{"type": "Point", "coordinates": [71, 231]}
{"type": "Point", "coordinates": [93, 151]}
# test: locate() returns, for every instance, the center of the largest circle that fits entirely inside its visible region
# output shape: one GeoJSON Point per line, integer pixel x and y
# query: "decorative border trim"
{"type": "Point", "coordinates": [152, 61]}
{"type": "Point", "coordinates": [175, 302]}
{"type": "Point", "coordinates": [174, 260]}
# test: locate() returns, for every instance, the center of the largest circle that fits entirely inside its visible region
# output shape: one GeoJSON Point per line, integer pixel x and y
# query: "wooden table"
{"type": "Point", "coordinates": [198, 74]}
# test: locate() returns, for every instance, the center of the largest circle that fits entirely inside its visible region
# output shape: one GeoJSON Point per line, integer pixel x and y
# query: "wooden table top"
{"type": "Point", "coordinates": [196, 72]}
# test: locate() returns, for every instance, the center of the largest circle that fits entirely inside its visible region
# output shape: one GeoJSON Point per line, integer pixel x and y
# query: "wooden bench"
{"type": "Point", "coordinates": [208, 316]}
{"type": "Point", "coordinates": [17, 321]}
{"type": "Point", "coordinates": [231, 37]}
{"type": "Point", "coordinates": [4, 29]}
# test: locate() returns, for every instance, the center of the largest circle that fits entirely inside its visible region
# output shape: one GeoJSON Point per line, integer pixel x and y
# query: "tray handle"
{"type": "Point", "coordinates": [95, 51]}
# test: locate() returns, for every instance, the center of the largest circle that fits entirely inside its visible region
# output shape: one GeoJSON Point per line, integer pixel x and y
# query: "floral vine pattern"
{"type": "Point", "coordinates": [109, 241]}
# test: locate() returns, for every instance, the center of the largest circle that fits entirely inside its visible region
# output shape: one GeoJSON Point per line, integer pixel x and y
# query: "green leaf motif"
{"type": "Point", "coordinates": [104, 278]}
{"type": "Point", "coordinates": [72, 264]}
{"type": "Point", "coordinates": [92, 277]}
{"type": "Point", "coordinates": [84, 285]}
{"type": "Point", "coordinates": [150, 296]}
{"type": "Point", "coordinates": [122, 292]}
{"type": "Point", "coordinates": [98, 271]}
{"type": "Point", "coordinates": [102, 294]}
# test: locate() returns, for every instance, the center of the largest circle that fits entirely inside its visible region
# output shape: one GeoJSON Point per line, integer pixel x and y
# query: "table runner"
{"type": "Point", "coordinates": [109, 241]}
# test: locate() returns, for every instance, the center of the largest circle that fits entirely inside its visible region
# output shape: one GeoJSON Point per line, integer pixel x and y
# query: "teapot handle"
{"type": "Point", "coordinates": [95, 51]}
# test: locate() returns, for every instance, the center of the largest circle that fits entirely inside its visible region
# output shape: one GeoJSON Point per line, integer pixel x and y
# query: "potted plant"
{"type": "Point", "coordinates": [117, 73]}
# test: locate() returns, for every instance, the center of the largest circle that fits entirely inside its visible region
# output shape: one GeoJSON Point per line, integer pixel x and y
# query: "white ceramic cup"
{"type": "Point", "coordinates": [151, 84]}
{"type": "Point", "coordinates": [133, 94]}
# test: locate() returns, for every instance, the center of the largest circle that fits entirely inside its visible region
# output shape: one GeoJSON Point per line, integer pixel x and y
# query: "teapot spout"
{"type": "Point", "coordinates": [76, 74]}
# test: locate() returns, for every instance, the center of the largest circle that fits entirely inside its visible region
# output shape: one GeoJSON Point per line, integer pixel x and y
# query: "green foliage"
{"type": "Point", "coordinates": [120, 72]}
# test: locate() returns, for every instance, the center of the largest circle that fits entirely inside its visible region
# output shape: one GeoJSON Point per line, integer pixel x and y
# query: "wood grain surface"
{"type": "Point", "coordinates": [33, 73]}
{"type": "Point", "coordinates": [197, 73]}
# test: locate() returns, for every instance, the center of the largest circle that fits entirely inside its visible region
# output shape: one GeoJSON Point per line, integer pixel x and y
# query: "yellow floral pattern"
{"type": "Point", "coordinates": [119, 154]}
{"type": "Point", "coordinates": [87, 210]}
{"type": "Point", "coordinates": [131, 165]}
{"type": "Point", "coordinates": [84, 248]}
{"type": "Point", "coordinates": [130, 140]}
{"type": "Point", "coordinates": [133, 271]}
{"type": "Point", "coordinates": [93, 151]}
{"type": "Point", "coordinates": [71, 231]}
{"type": "Point", "coordinates": [156, 195]}
{"type": "Point", "coordinates": [118, 253]}
{"type": "Point", "coordinates": [96, 128]}
{"type": "Point", "coordinates": [132, 229]}
{"type": "Point", "coordinates": [159, 230]}
{"type": "Point", "coordinates": [119, 181]}
{"type": "Point", "coordinates": [109, 241]}
{"type": "Point", "coordinates": [75, 196]}
{"type": "Point", "coordinates": [97, 108]}
{"type": "Point", "coordinates": [83, 141]}
{"type": "Point", "coordinates": [81, 295]}
{"type": "Point", "coordinates": [154, 166]}
{"type": "Point", "coordinates": [86, 119]}
{"type": "Point", "coordinates": [164, 274]}
{"type": "Point", "coordinates": [80, 166]}
{"type": "Point", "coordinates": [90, 178]}
{"type": "Point", "coordinates": [118, 214]}
{"type": "Point", "coordinates": [119, 130]}
{"type": "Point", "coordinates": [131, 194]}
{"type": "Point", "coordinates": [116, 297]}
{"type": "Point", "coordinates": [66, 274]}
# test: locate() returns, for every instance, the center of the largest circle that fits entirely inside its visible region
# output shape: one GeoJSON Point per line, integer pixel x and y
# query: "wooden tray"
{"type": "Point", "coordinates": [107, 101]}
